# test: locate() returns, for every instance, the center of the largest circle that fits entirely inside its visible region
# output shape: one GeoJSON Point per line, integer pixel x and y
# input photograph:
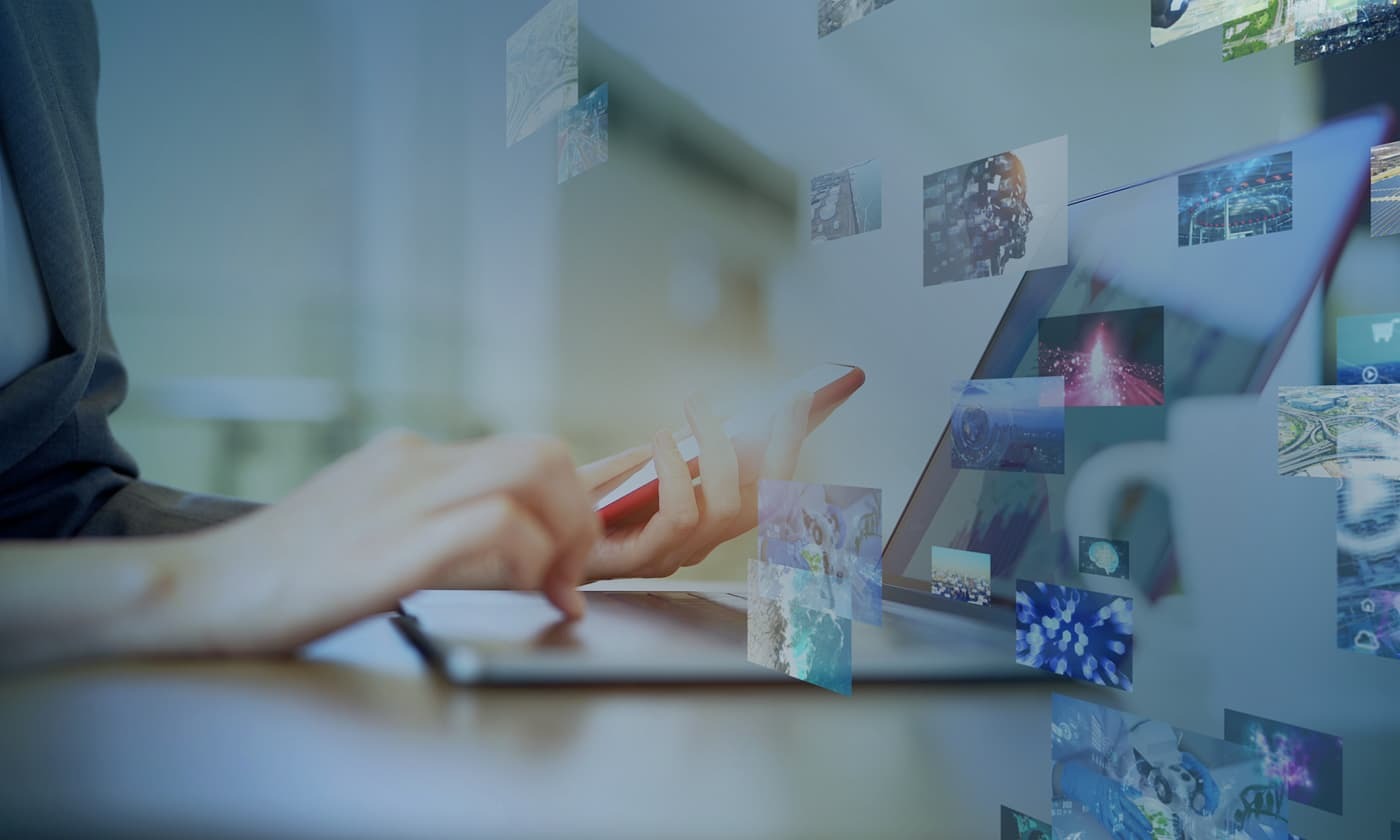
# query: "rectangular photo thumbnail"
{"type": "Point", "coordinates": [964, 576]}
{"type": "Point", "coordinates": [1238, 200]}
{"type": "Point", "coordinates": [834, 14]}
{"type": "Point", "coordinates": [1270, 27]}
{"type": "Point", "coordinates": [1307, 762]}
{"type": "Point", "coordinates": [1173, 20]}
{"type": "Point", "coordinates": [1368, 567]}
{"type": "Point", "coordinates": [1005, 214]}
{"type": "Point", "coordinates": [1106, 358]}
{"type": "Point", "coordinates": [1368, 349]}
{"type": "Point", "coordinates": [1376, 20]}
{"type": "Point", "coordinates": [1338, 431]}
{"type": "Point", "coordinates": [846, 202]}
{"type": "Point", "coordinates": [1013, 425]}
{"type": "Point", "coordinates": [1385, 187]}
{"type": "Point", "coordinates": [1311, 17]}
{"type": "Point", "coordinates": [1075, 633]}
{"type": "Point", "coordinates": [541, 69]}
{"type": "Point", "coordinates": [1018, 826]}
{"type": "Point", "coordinates": [582, 141]}
{"type": "Point", "coordinates": [1099, 556]}
{"type": "Point", "coordinates": [1178, 783]}
{"type": "Point", "coordinates": [827, 529]}
{"type": "Point", "coordinates": [812, 645]}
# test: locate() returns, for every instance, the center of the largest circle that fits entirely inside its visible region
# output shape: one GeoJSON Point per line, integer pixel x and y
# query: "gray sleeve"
{"type": "Point", "coordinates": [143, 509]}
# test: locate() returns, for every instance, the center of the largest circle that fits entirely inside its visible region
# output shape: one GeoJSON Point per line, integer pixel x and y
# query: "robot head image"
{"type": "Point", "coordinates": [977, 219]}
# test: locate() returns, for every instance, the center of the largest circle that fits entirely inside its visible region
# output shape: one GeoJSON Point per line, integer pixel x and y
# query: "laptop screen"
{"type": "Point", "coordinates": [1230, 296]}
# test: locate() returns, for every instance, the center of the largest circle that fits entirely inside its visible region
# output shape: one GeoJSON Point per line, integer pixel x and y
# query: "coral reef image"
{"type": "Point", "coordinates": [846, 202]}
{"type": "Point", "coordinates": [582, 140]}
{"type": "Point", "coordinates": [1018, 826]}
{"type": "Point", "coordinates": [1103, 557]}
{"type": "Point", "coordinates": [834, 14]}
{"type": "Point", "coordinates": [541, 69]}
{"type": "Point", "coordinates": [808, 644]}
{"type": "Point", "coordinates": [827, 529]}
{"type": "Point", "coordinates": [1106, 358]}
{"type": "Point", "coordinates": [1246, 198]}
{"type": "Point", "coordinates": [1017, 425]}
{"type": "Point", "coordinates": [1118, 774]}
{"type": "Point", "coordinates": [1075, 633]}
{"type": "Point", "coordinates": [1368, 566]}
{"type": "Point", "coordinates": [1309, 763]}
{"type": "Point", "coordinates": [1004, 214]}
{"type": "Point", "coordinates": [964, 576]}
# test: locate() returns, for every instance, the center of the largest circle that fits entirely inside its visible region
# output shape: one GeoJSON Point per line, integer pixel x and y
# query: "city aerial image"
{"type": "Point", "coordinates": [1339, 431]}
{"type": "Point", "coordinates": [1374, 20]}
{"type": "Point", "coordinates": [834, 14]}
{"type": "Point", "coordinates": [1271, 27]}
{"type": "Point", "coordinates": [541, 69]}
{"type": "Point", "coordinates": [846, 202]}
{"type": "Point", "coordinates": [582, 139]}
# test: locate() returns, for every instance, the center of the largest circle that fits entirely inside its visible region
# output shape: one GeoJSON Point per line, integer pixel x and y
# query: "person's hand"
{"type": "Point", "coordinates": [399, 515]}
{"type": "Point", "coordinates": [1110, 802]}
{"type": "Point", "coordinates": [690, 521]}
{"type": "Point", "coordinates": [1208, 785]}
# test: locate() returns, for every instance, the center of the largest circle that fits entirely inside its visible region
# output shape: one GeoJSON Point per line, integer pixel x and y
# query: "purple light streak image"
{"type": "Point", "coordinates": [1308, 762]}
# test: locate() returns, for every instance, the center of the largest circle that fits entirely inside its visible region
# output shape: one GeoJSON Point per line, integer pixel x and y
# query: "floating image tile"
{"type": "Point", "coordinates": [541, 69]}
{"type": "Point", "coordinates": [1262, 30]}
{"type": "Point", "coordinates": [812, 590]}
{"type": "Point", "coordinates": [1075, 633]}
{"type": "Point", "coordinates": [1339, 431]}
{"type": "Point", "coordinates": [582, 141]}
{"type": "Point", "coordinates": [812, 645]}
{"type": "Point", "coordinates": [1103, 557]}
{"type": "Point", "coordinates": [1376, 20]}
{"type": "Point", "coordinates": [1117, 774]}
{"type": "Point", "coordinates": [1018, 826]}
{"type": "Point", "coordinates": [1368, 349]}
{"type": "Point", "coordinates": [827, 529]}
{"type": "Point", "coordinates": [1311, 17]}
{"type": "Point", "coordinates": [1368, 566]}
{"type": "Point", "coordinates": [1006, 214]}
{"type": "Point", "coordinates": [1106, 358]}
{"type": "Point", "coordinates": [1385, 190]}
{"type": "Point", "coordinates": [964, 576]}
{"type": "Point", "coordinates": [846, 202]}
{"type": "Point", "coordinates": [1247, 198]}
{"type": "Point", "coordinates": [1307, 762]}
{"type": "Point", "coordinates": [1173, 20]}
{"type": "Point", "coordinates": [1015, 425]}
{"type": "Point", "coordinates": [834, 14]}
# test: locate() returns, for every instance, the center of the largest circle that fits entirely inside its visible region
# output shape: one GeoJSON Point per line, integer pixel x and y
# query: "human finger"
{"type": "Point", "coordinates": [615, 467]}
{"type": "Point", "coordinates": [719, 465]}
{"type": "Point", "coordinates": [496, 530]}
{"type": "Point", "coordinates": [789, 429]}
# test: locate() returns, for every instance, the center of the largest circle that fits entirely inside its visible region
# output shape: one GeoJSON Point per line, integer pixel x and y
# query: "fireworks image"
{"type": "Point", "coordinates": [1075, 633]}
{"type": "Point", "coordinates": [1308, 762]}
{"type": "Point", "coordinates": [1106, 358]}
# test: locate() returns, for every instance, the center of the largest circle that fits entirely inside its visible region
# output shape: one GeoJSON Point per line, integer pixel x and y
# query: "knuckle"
{"type": "Point", "coordinates": [396, 440]}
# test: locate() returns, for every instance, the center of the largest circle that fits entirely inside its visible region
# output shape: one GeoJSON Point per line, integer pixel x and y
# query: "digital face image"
{"type": "Point", "coordinates": [583, 134]}
{"type": "Point", "coordinates": [1307, 762]}
{"type": "Point", "coordinates": [1368, 566]}
{"type": "Point", "coordinates": [1118, 774]}
{"type": "Point", "coordinates": [834, 14]}
{"type": "Point", "coordinates": [1173, 20]}
{"type": "Point", "coordinates": [1339, 431]}
{"type": "Point", "coordinates": [1013, 425]}
{"type": "Point", "coordinates": [1018, 826]}
{"type": "Point", "coordinates": [1368, 349]}
{"type": "Point", "coordinates": [541, 69]}
{"type": "Point", "coordinates": [1075, 633]}
{"type": "Point", "coordinates": [1106, 358]}
{"type": "Point", "coordinates": [828, 530]}
{"type": "Point", "coordinates": [1006, 214]}
{"type": "Point", "coordinates": [964, 576]}
{"type": "Point", "coordinates": [1103, 557]}
{"type": "Point", "coordinates": [1376, 20]}
{"type": "Point", "coordinates": [846, 202]}
{"type": "Point", "coordinates": [1247, 198]}
{"type": "Point", "coordinates": [1262, 30]}
{"type": "Point", "coordinates": [1385, 190]}
{"type": "Point", "coordinates": [1311, 17]}
{"type": "Point", "coordinates": [812, 645]}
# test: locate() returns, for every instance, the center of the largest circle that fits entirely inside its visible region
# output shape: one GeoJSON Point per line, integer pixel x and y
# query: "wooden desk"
{"type": "Point", "coordinates": [357, 740]}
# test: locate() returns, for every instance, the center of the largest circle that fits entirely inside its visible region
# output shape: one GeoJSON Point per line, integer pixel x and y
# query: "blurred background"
{"type": "Point", "coordinates": [315, 229]}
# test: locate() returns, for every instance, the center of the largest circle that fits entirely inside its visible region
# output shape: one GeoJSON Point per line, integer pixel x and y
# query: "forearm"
{"type": "Point", "coordinates": [78, 598]}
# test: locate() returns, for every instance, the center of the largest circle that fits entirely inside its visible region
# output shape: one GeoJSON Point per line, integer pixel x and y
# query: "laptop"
{"type": "Point", "coordinates": [1231, 300]}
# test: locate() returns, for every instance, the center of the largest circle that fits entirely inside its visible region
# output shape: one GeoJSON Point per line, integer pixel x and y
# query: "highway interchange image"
{"type": "Point", "coordinates": [1339, 431]}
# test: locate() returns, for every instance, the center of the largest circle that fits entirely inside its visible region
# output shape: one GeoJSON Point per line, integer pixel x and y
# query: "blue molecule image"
{"type": "Point", "coordinates": [1075, 633]}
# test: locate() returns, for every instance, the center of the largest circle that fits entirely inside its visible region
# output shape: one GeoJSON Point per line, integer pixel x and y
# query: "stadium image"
{"type": "Point", "coordinates": [1245, 198]}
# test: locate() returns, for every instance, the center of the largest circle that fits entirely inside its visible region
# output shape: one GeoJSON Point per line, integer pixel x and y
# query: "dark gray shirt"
{"type": "Point", "coordinates": [25, 326]}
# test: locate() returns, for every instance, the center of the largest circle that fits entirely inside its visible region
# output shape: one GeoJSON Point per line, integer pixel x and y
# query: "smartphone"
{"type": "Point", "coordinates": [635, 499]}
